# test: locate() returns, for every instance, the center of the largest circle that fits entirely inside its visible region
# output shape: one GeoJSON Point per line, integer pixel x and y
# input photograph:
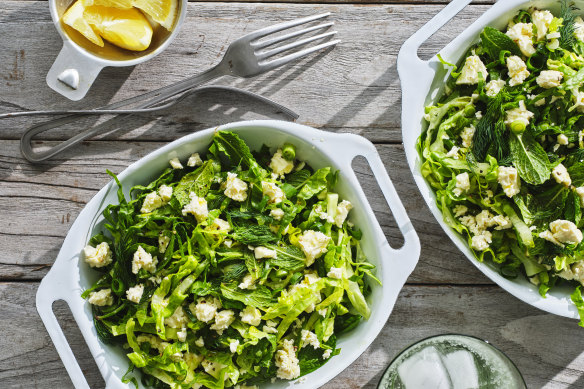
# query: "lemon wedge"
{"type": "Point", "coordinates": [162, 11]}
{"type": "Point", "coordinates": [125, 28]}
{"type": "Point", "coordinates": [74, 17]}
{"type": "Point", "coordinates": [123, 4]}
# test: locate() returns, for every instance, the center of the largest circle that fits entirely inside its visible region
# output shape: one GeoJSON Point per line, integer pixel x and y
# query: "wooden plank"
{"type": "Point", "coordinates": [547, 349]}
{"type": "Point", "coordinates": [354, 87]}
{"type": "Point", "coordinates": [40, 203]}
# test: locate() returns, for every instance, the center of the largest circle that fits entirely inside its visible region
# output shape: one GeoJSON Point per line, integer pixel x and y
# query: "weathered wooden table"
{"type": "Point", "coordinates": [353, 88]}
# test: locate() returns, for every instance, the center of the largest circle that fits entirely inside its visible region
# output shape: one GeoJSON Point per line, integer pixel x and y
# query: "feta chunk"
{"type": "Point", "coordinates": [251, 316]}
{"type": "Point", "coordinates": [269, 329]}
{"type": "Point", "coordinates": [467, 135]}
{"type": "Point", "coordinates": [233, 346]}
{"type": "Point", "coordinates": [462, 184]}
{"type": "Point", "coordinates": [313, 244]}
{"type": "Point", "coordinates": [277, 213]}
{"type": "Point", "coordinates": [522, 35]}
{"type": "Point", "coordinates": [247, 282]}
{"type": "Point", "coordinates": [206, 308]}
{"type": "Point", "coordinates": [541, 20]}
{"type": "Point", "coordinates": [264, 252]}
{"type": "Point", "coordinates": [580, 192]}
{"type": "Point", "coordinates": [235, 188]}
{"type": "Point", "coordinates": [221, 225]}
{"type": "Point", "coordinates": [562, 232]}
{"type": "Point", "coordinates": [200, 342]}
{"type": "Point", "coordinates": [197, 207]}
{"type": "Point", "coordinates": [98, 256]}
{"type": "Point", "coordinates": [165, 193]}
{"type": "Point", "coordinates": [194, 160]}
{"type": "Point", "coordinates": [342, 211]}
{"type": "Point", "coordinates": [163, 242]}
{"type": "Point", "coordinates": [493, 87]}
{"type": "Point", "coordinates": [151, 202]}
{"type": "Point", "coordinates": [453, 153]}
{"type": "Point", "coordinates": [327, 354]}
{"type": "Point", "coordinates": [279, 165]}
{"type": "Point", "coordinates": [469, 75]}
{"type": "Point", "coordinates": [134, 294]}
{"type": "Point", "coordinates": [481, 242]}
{"type": "Point", "coordinates": [287, 362]}
{"type": "Point", "coordinates": [509, 180]}
{"type": "Point", "coordinates": [549, 79]}
{"type": "Point", "coordinates": [579, 29]}
{"type": "Point", "coordinates": [182, 334]}
{"type": "Point", "coordinates": [309, 338]}
{"type": "Point", "coordinates": [519, 114]}
{"type": "Point", "coordinates": [175, 163]}
{"type": "Point", "coordinates": [335, 272]}
{"type": "Point", "coordinates": [143, 260]}
{"type": "Point", "coordinates": [517, 70]}
{"type": "Point", "coordinates": [223, 320]}
{"type": "Point", "coordinates": [274, 193]}
{"type": "Point", "coordinates": [178, 319]}
{"type": "Point", "coordinates": [562, 140]}
{"type": "Point", "coordinates": [459, 210]}
{"type": "Point", "coordinates": [561, 175]}
{"type": "Point", "coordinates": [101, 298]}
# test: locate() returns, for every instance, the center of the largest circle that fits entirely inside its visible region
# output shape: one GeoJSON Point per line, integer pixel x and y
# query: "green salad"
{"type": "Point", "coordinates": [236, 269]}
{"type": "Point", "coordinates": [504, 148]}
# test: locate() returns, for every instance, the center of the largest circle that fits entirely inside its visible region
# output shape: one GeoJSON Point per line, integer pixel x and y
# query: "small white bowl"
{"type": "Point", "coordinates": [76, 68]}
{"type": "Point", "coordinates": [68, 277]}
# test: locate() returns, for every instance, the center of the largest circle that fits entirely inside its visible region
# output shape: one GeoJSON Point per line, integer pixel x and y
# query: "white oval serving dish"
{"type": "Point", "coordinates": [422, 84]}
{"type": "Point", "coordinates": [68, 278]}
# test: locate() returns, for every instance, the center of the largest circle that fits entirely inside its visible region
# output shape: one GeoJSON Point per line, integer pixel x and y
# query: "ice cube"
{"type": "Point", "coordinates": [462, 369]}
{"type": "Point", "coordinates": [424, 370]}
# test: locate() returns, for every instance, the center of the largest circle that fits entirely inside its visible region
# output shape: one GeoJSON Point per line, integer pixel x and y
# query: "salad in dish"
{"type": "Point", "coordinates": [230, 269]}
{"type": "Point", "coordinates": [504, 148]}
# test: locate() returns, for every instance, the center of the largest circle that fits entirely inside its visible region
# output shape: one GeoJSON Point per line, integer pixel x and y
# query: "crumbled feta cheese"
{"type": "Point", "coordinates": [194, 160]}
{"type": "Point", "coordinates": [269, 329]}
{"type": "Point", "coordinates": [541, 20]}
{"type": "Point", "coordinates": [549, 79]}
{"type": "Point", "coordinates": [467, 135]}
{"type": "Point", "coordinates": [342, 211]}
{"type": "Point", "coordinates": [522, 35]}
{"type": "Point", "coordinates": [233, 346]}
{"type": "Point", "coordinates": [264, 252]}
{"type": "Point", "coordinates": [462, 184]}
{"type": "Point", "coordinates": [493, 87]}
{"type": "Point", "coordinates": [479, 114]}
{"type": "Point", "coordinates": [178, 319]}
{"type": "Point", "coordinates": [508, 178]}
{"type": "Point", "coordinates": [200, 342]}
{"type": "Point", "coordinates": [517, 70]}
{"type": "Point", "coordinates": [151, 202]}
{"type": "Point", "coordinates": [578, 98]}
{"type": "Point", "coordinates": [561, 175]}
{"type": "Point", "coordinates": [335, 272]}
{"type": "Point", "coordinates": [580, 192]}
{"type": "Point", "coordinates": [213, 368]}
{"type": "Point", "coordinates": [206, 308]}
{"type": "Point", "coordinates": [274, 193]}
{"type": "Point", "coordinates": [579, 29]}
{"type": "Point", "coordinates": [235, 188]}
{"type": "Point", "coordinates": [221, 225]}
{"type": "Point", "coordinates": [228, 243]}
{"type": "Point", "coordinates": [564, 231]}
{"type": "Point", "coordinates": [134, 294]}
{"type": "Point", "coordinates": [163, 242]}
{"type": "Point", "coordinates": [459, 210]}
{"type": "Point", "coordinates": [143, 260]}
{"type": "Point", "coordinates": [279, 165]}
{"type": "Point", "coordinates": [327, 354]}
{"type": "Point", "coordinates": [247, 282]}
{"type": "Point", "coordinates": [277, 213]}
{"type": "Point", "coordinates": [502, 222]}
{"type": "Point", "coordinates": [563, 140]}
{"type": "Point", "coordinates": [520, 114]}
{"type": "Point", "coordinates": [98, 256]}
{"type": "Point", "coordinates": [309, 338]}
{"type": "Point", "coordinates": [481, 242]}
{"type": "Point", "coordinates": [182, 334]}
{"type": "Point", "coordinates": [311, 277]}
{"type": "Point", "coordinates": [175, 163]}
{"type": "Point", "coordinates": [453, 153]}
{"type": "Point", "coordinates": [223, 320]}
{"type": "Point", "coordinates": [313, 244]}
{"type": "Point", "coordinates": [165, 193]}
{"type": "Point", "coordinates": [287, 362]}
{"type": "Point", "coordinates": [197, 207]}
{"type": "Point", "coordinates": [101, 298]}
{"type": "Point", "coordinates": [469, 74]}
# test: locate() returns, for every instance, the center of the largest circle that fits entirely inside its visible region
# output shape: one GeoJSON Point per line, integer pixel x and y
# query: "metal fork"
{"type": "Point", "coordinates": [248, 56]}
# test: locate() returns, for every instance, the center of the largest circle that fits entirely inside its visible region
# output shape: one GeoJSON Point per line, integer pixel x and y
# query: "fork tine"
{"type": "Point", "coordinates": [283, 26]}
{"type": "Point", "coordinates": [270, 65]}
{"type": "Point", "coordinates": [273, 41]}
{"type": "Point", "coordinates": [302, 42]}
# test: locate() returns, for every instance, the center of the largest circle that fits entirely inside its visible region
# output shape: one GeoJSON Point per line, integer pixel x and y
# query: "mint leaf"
{"type": "Point", "coordinates": [494, 41]}
{"type": "Point", "coordinates": [530, 159]}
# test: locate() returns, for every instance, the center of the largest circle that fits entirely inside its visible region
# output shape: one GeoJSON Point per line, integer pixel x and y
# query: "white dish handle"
{"type": "Point", "coordinates": [343, 149]}
{"type": "Point", "coordinates": [47, 294]}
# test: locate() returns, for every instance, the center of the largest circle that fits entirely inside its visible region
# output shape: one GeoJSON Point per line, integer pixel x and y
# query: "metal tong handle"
{"type": "Point", "coordinates": [33, 156]}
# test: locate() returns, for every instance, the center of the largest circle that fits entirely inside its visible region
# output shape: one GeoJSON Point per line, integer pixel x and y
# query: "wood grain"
{"type": "Point", "coordinates": [547, 349]}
